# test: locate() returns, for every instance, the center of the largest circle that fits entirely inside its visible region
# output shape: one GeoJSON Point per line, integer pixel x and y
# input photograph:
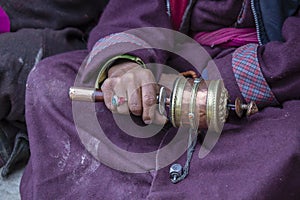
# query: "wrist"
{"type": "Point", "coordinates": [103, 74]}
{"type": "Point", "coordinates": [121, 67]}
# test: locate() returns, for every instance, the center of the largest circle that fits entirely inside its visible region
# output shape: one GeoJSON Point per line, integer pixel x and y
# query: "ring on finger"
{"type": "Point", "coordinates": [117, 101]}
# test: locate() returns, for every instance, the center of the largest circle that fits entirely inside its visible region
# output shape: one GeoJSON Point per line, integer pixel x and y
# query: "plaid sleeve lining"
{"type": "Point", "coordinates": [249, 76]}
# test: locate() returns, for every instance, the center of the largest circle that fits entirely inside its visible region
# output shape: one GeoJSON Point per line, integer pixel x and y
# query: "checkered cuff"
{"type": "Point", "coordinates": [249, 76]}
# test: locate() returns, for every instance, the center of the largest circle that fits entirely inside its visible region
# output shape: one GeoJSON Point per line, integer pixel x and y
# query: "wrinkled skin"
{"type": "Point", "coordinates": [138, 86]}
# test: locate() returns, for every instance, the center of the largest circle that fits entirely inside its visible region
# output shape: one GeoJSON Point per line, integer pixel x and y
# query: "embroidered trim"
{"type": "Point", "coordinates": [113, 39]}
{"type": "Point", "coordinates": [249, 76]}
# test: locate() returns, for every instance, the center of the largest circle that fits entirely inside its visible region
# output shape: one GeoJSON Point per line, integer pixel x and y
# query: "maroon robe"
{"type": "Point", "coordinates": [38, 29]}
{"type": "Point", "coordinates": [255, 157]}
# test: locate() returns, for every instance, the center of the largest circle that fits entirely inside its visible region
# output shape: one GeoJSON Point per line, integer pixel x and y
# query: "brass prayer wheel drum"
{"type": "Point", "coordinates": [199, 104]}
{"type": "Point", "coordinates": [217, 111]}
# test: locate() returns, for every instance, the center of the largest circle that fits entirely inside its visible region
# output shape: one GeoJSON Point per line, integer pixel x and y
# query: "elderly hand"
{"type": "Point", "coordinates": [135, 90]}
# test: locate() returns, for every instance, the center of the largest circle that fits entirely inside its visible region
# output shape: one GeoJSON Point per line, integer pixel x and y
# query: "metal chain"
{"type": "Point", "coordinates": [190, 152]}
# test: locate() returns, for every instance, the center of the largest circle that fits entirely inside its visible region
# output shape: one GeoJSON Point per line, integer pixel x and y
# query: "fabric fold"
{"type": "Point", "coordinates": [227, 37]}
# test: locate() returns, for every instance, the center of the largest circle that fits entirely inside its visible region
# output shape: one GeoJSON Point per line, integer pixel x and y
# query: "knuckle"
{"type": "Point", "coordinates": [105, 85]}
{"type": "Point", "coordinates": [146, 72]}
{"type": "Point", "coordinates": [149, 100]}
{"type": "Point", "coordinates": [108, 84]}
{"type": "Point", "coordinates": [136, 110]}
{"type": "Point", "coordinates": [135, 107]}
{"type": "Point", "coordinates": [128, 77]}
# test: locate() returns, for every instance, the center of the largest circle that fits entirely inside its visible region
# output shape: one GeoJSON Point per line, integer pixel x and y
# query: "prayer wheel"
{"type": "Point", "coordinates": [192, 102]}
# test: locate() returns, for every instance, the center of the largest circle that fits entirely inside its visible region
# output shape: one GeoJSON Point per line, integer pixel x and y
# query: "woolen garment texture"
{"type": "Point", "coordinates": [38, 29]}
{"type": "Point", "coordinates": [19, 54]}
{"type": "Point", "coordinates": [53, 14]}
{"type": "Point", "coordinates": [255, 157]}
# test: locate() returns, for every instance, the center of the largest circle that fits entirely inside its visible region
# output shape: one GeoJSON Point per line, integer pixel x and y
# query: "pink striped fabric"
{"type": "Point", "coordinates": [227, 37]}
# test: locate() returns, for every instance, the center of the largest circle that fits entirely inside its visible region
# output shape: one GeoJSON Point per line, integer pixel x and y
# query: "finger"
{"type": "Point", "coordinates": [123, 108]}
{"type": "Point", "coordinates": [135, 101]}
{"type": "Point", "coordinates": [149, 102]}
{"type": "Point", "coordinates": [159, 119]}
{"type": "Point", "coordinates": [133, 93]}
{"type": "Point", "coordinates": [108, 92]}
{"type": "Point", "coordinates": [120, 92]}
{"type": "Point", "coordinates": [189, 73]}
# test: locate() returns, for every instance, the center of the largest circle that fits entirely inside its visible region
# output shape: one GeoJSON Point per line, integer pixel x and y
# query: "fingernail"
{"type": "Point", "coordinates": [148, 121]}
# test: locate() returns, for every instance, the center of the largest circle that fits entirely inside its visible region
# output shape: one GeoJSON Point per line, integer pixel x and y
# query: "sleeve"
{"type": "Point", "coordinates": [267, 74]}
{"type": "Point", "coordinates": [54, 14]}
{"type": "Point", "coordinates": [280, 62]}
{"type": "Point", "coordinates": [120, 16]}
{"type": "Point", "coordinates": [128, 27]}
{"type": "Point", "coordinates": [19, 54]}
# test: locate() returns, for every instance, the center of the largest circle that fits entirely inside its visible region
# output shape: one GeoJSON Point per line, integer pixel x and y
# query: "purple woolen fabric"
{"type": "Point", "coordinates": [141, 15]}
{"type": "Point", "coordinates": [280, 62]}
{"type": "Point", "coordinates": [4, 21]}
{"type": "Point", "coordinates": [60, 167]}
{"type": "Point", "coordinates": [255, 158]}
{"type": "Point", "coordinates": [57, 14]}
{"type": "Point", "coordinates": [38, 29]}
{"type": "Point", "coordinates": [227, 37]}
